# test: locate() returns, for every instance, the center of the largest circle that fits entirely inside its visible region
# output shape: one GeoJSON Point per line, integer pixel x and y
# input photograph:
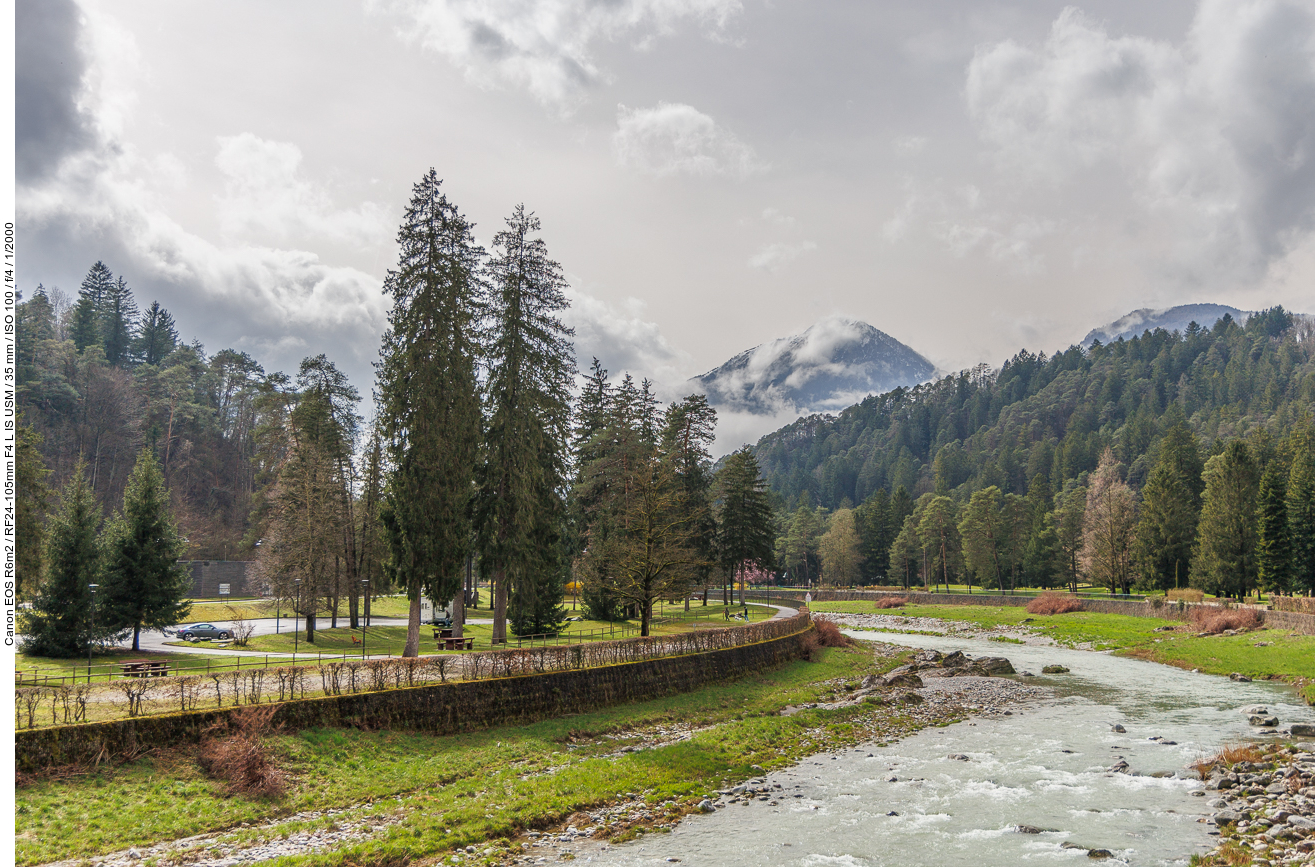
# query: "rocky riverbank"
{"type": "Point", "coordinates": [1264, 803]}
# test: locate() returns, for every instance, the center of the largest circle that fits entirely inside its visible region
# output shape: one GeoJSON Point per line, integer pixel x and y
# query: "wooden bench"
{"type": "Point", "coordinates": [450, 643]}
{"type": "Point", "coordinates": [144, 668]}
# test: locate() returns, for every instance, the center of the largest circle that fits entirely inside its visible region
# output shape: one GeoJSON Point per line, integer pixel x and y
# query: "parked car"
{"type": "Point", "coordinates": [203, 630]}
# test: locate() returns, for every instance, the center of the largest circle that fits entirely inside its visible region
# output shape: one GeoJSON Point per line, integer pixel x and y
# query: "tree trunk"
{"type": "Point", "coordinates": [500, 606]}
{"type": "Point", "coordinates": [310, 627]}
{"type": "Point", "coordinates": [646, 614]}
{"type": "Point", "coordinates": [459, 610]}
{"type": "Point", "coordinates": [353, 609]}
{"type": "Point", "coordinates": [705, 597]}
{"type": "Point", "coordinates": [136, 634]}
{"type": "Point", "coordinates": [412, 648]}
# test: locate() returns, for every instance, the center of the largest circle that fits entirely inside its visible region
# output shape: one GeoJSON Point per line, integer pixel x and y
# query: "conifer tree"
{"type": "Point", "coordinates": [1225, 558]}
{"type": "Point", "coordinates": [1274, 536]}
{"type": "Point", "coordinates": [983, 534]}
{"type": "Point", "coordinates": [428, 403]}
{"type": "Point", "coordinates": [85, 328]}
{"type": "Point", "coordinates": [527, 404]}
{"type": "Point", "coordinates": [688, 432]}
{"type": "Point", "coordinates": [591, 419]}
{"type": "Point", "coordinates": [118, 323]}
{"type": "Point", "coordinates": [873, 522]}
{"type": "Point", "coordinates": [144, 588]}
{"type": "Point", "coordinates": [1070, 507]}
{"type": "Point", "coordinates": [745, 531]}
{"type": "Point", "coordinates": [156, 335]}
{"type": "Point", "coordinates": [1170, 509]}
{"type": "Point", "coordinates": [31, 500]}
{"type": "Point", "coordinates": [798, 546]}
{"type": "Point", "coordinates": [59, 622]}
{"type": "Point", "coordinates": [905, 552]}
{"type": "Point", "coordinates": [839, 550]}
{"type": "Point", "coordinates": [938, 528]}
{"type": "Point", "coordinates": [1301, 510]}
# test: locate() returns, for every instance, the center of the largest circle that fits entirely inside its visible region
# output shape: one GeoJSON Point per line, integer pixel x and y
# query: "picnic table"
{"type": "Point", "coordinates": [450, 643]}
{"type": "Point", "coordinates": [440, 634]}
{"type": "Point", "coordinates": [144, 667]}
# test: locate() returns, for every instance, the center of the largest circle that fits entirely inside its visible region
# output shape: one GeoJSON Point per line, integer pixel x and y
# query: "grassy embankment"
{"type": "Point", "coordinates": [1265, 653]}
{"type": "Point", "coordinates": [434, 794]}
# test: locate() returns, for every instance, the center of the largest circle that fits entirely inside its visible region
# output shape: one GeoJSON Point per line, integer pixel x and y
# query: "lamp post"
{"type": "Point", "coordinates": [92, 636]}
{"type": "Point", "coordinates": [296, 630]}
{"type": "Point", "coordinates": [365, 594]}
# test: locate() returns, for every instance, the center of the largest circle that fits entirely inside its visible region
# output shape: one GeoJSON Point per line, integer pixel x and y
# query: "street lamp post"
{"type": "Point", "coordinates": [92, 636]}
{"type": "Point", "coordinates": [296, 629]}
{"type": "Point", "coordinates": [365, 593]}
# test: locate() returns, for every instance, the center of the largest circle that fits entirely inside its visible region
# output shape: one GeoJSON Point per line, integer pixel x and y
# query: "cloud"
{"type": "Point", "coordinates": [622, 339]}
{"type": "Point", "coordinates": [544, 47]}
{"type": "Point", "coordinates": [672, 138]}
{"type": "Point", "coordinates": [264, 197]}
{"type": "Point", "coordinates": [49, 124]}
{"type": "Point", "coordinates": [1214, 137]}
{"type": "Point", "coordinates": [772, 256]}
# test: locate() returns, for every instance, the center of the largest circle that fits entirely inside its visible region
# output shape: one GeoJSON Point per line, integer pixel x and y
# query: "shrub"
{"type": "Point", "coordinates": [1186, 594]}
{"type": "Point", "coordinates": [892, 602]}
{"type": "Point", "coordinates": [242, 758]}
{"type": "Point", "coordinates": [1299, 604]}
{"type": "Point", "coordinates": [829, 634]}
{"type": "Point", "coordinates": [1212, 620]}
{"type": "Point", "coordinates": [1054, 603]}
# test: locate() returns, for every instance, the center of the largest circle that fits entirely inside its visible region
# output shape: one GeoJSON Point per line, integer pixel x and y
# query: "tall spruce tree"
{"type": "Point", "coordinates": [1301, 509]}
{"type": "Point", "coordinates": [875, 532]}
{"type": "Point", "coordinates": [157, 336]}
{"type": "Point", "coordinates": [591, 420]}
{"type": "Point", "coordinates": [1225, 560]}
{"type": "Point", "coordinates": [688, 432]}
{"type": "Point", "coordinates": [118, 323]}
{"type": "Point", "coordinates": [983, 533]}
{"type": "Point", "coordinates": [1170, 509]}
{"type": "Point", "coordinates": [521, 510]}
{"type": "Point", "coordinates": [938, 529]}
{"type": "Point", "coordinates": [428, 404]}
{"type": "Point", "coordinates": [1273, 533]}
{"type": "Point", "coordinates": [145, 588]}
{"type": "Point", "coordinates": [746, 534]}
{"type": "Point", "coordinates": [59, 623]}
{"type": "Point", "coordinates": [31, 500]}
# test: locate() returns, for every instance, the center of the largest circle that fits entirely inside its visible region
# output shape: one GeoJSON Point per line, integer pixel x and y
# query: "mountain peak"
{"type": "Point", "coordinates": [1169, 318]}
{"type": "Point", "coordinates": [834, 363]}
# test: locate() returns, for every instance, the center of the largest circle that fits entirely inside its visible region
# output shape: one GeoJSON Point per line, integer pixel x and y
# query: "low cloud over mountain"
{"type": "Point", "coordinates": [1170, 319]}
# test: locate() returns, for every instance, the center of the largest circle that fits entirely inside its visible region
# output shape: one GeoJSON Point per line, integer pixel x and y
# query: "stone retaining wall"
{"type": "Point", "coordinates": [440, 709]}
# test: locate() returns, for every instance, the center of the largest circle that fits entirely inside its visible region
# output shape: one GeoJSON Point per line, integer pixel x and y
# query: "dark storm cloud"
{"type": "Point", "coordinates": [48, 76]}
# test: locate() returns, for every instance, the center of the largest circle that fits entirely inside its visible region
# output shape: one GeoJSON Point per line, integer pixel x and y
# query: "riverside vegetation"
{"type": "Point", "coordinates": [419, 796]}
{"type": "Point", "coordinates": [1262, 653]}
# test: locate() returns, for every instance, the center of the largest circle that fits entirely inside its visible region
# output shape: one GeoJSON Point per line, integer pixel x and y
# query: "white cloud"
{"type": "Point", "coordinates": [910, 144]}
{"type": "Point", "coordinates": [672, 138]}
{"type": "Point", "coordinates": [544, 47]}
{"type": "Point", "coordinates": [265, 198]}
{"type": "Point", "coordinates": [622, 339]}
{"type": "Point", "coordinates": [772, 256]}
{"type": "Point", "coordinates": [1215, 136]}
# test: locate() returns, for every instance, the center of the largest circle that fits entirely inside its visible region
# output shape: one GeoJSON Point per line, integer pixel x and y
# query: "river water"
{"type": "Point", "coordinates": [909, 804]}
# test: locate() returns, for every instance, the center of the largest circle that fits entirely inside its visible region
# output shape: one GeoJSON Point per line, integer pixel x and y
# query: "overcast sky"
{"type": "Point", "coordinates": [970, 177]}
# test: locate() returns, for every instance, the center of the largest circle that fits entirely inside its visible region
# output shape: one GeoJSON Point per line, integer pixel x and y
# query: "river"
{"type": "Point", "coordinates": [910, 804]}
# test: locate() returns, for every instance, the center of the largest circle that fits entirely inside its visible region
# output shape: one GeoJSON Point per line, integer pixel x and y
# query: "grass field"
{"type": "Point", "coordinates": [440, 793]}
{"type": "Point", "coordinates": [1280, 654]}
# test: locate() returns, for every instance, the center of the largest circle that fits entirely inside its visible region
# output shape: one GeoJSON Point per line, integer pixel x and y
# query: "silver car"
{"type": "Point", "coordinates": [203, 630]}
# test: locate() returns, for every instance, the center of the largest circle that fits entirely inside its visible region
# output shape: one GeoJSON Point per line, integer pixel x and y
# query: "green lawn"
{"type": "Point", "coordinates": [469, 789]}
{"type": "Point", "coordinates": [105, 665]}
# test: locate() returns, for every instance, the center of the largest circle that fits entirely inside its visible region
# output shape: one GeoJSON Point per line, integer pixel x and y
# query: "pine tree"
{"type": "Point", "coordinates": [1170, 509]}
{"type": "Point", "coordinates": [1301, 511]}
{"type": "Point", "coordinates": [906, 552]}
{"type": "Point", "coordinates": [745, 531]}
{"type": "Point", "coordinates": [982, 531]}
{"type": "Point", "coordinates": [85, 328]}
{"type": "Point", "coordinates": [156, 335]}
{"type": "Point", "coordinates": [31, 500]}
{"type": "Point", "coordinates": [872, 520]}
{"type": "Point", "coordinates": [1274, 536]}
{"type": "Point", "coordinates": [839, 550]}
{"type": "Point", "coordinates": [145, 588]}
{"type": "Point", "coordinates": [1070, 507]}
{"type": "Point", "coordinates": [938, 529]}
{"type": "Point", "coordinates": [97, 286]}
{"type": "Point", "coordinates": [1225, 559]}
{"type": "Point", "coordinates": [797, 547]}
{"type": "Point", "coordinates": [428, 404]}
{"type": "Point", "coordinates": [688, 432]}
{"type": "Point", "coordinates": [527, 404]}
{"type": "Point", "coordinates": [118, 323]}
{"type": "Point", "coordinates": [59, 622]}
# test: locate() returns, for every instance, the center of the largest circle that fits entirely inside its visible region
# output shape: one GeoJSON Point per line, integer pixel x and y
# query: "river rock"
{"type": "Point", "coordinates": [904, 678]}
{"type": "Point", "coordinates": [1099, 854]}
{"type": "Point", "coordinates": [1055, 669]}
{"type": "Point", "coordinates": [1259, 709]}
{"type": "Point", "coordinates": [1302, 822]}
{"type": "Point", "coordinates": [1226, 817]}
{"type": "Point", "coordinates": [954, 660]}
{"type": "Point", "coordinates": [1303, 730]}
{"type": "Point", "coordinates": [706, 806]}
{"type": "Point", "coordinates": [1118, 728]}
{"type": "Point", "coordinates": [1027, 829]}
{"type": "Point", "coordinates": [1263, 721]}
{"type": "Point", "coordinates": [996, 665]}
{"type": "Point", "coordinates": [1239, 677]}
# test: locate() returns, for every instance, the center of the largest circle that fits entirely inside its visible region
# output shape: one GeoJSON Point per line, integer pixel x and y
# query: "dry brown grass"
{"type": "Point", "coordinates": [1054, 603]}
{"type": "Point", "coordinates": [1186, 594]}
{"type": "Point", "coordinates": [824, 633]}
{"type": "Point", "coordinates": [1213, 620]}
{"type": "Point", "coordinates": [242, 759]}
{"type": "Point", "coordinates": [891, 602]}
{"type": "Point", "coordinates": [1229, 754]}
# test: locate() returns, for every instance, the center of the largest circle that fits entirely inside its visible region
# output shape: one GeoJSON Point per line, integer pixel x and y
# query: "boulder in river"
{"type": "Point", "coordinates": [1255, 709]}
{"type": "Point", "coordinates": [1303, 730]}
{"type": "Point", "coordinates": [1263, 721]}
{"type": "Point", "coordinates": [996, 665]}
{"type": "Point", "coordinates": [1055, 669]}
{"type": "Point", "coordinates": [954, 660]}
{"type": "Point", "coordinates": [1239, 677]}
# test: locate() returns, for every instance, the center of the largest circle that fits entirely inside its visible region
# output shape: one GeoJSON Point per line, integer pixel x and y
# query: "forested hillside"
{"type": "Point", "coordinates": [1052, 416]}
{"type": "Point", "coordinates": [100, 380]}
